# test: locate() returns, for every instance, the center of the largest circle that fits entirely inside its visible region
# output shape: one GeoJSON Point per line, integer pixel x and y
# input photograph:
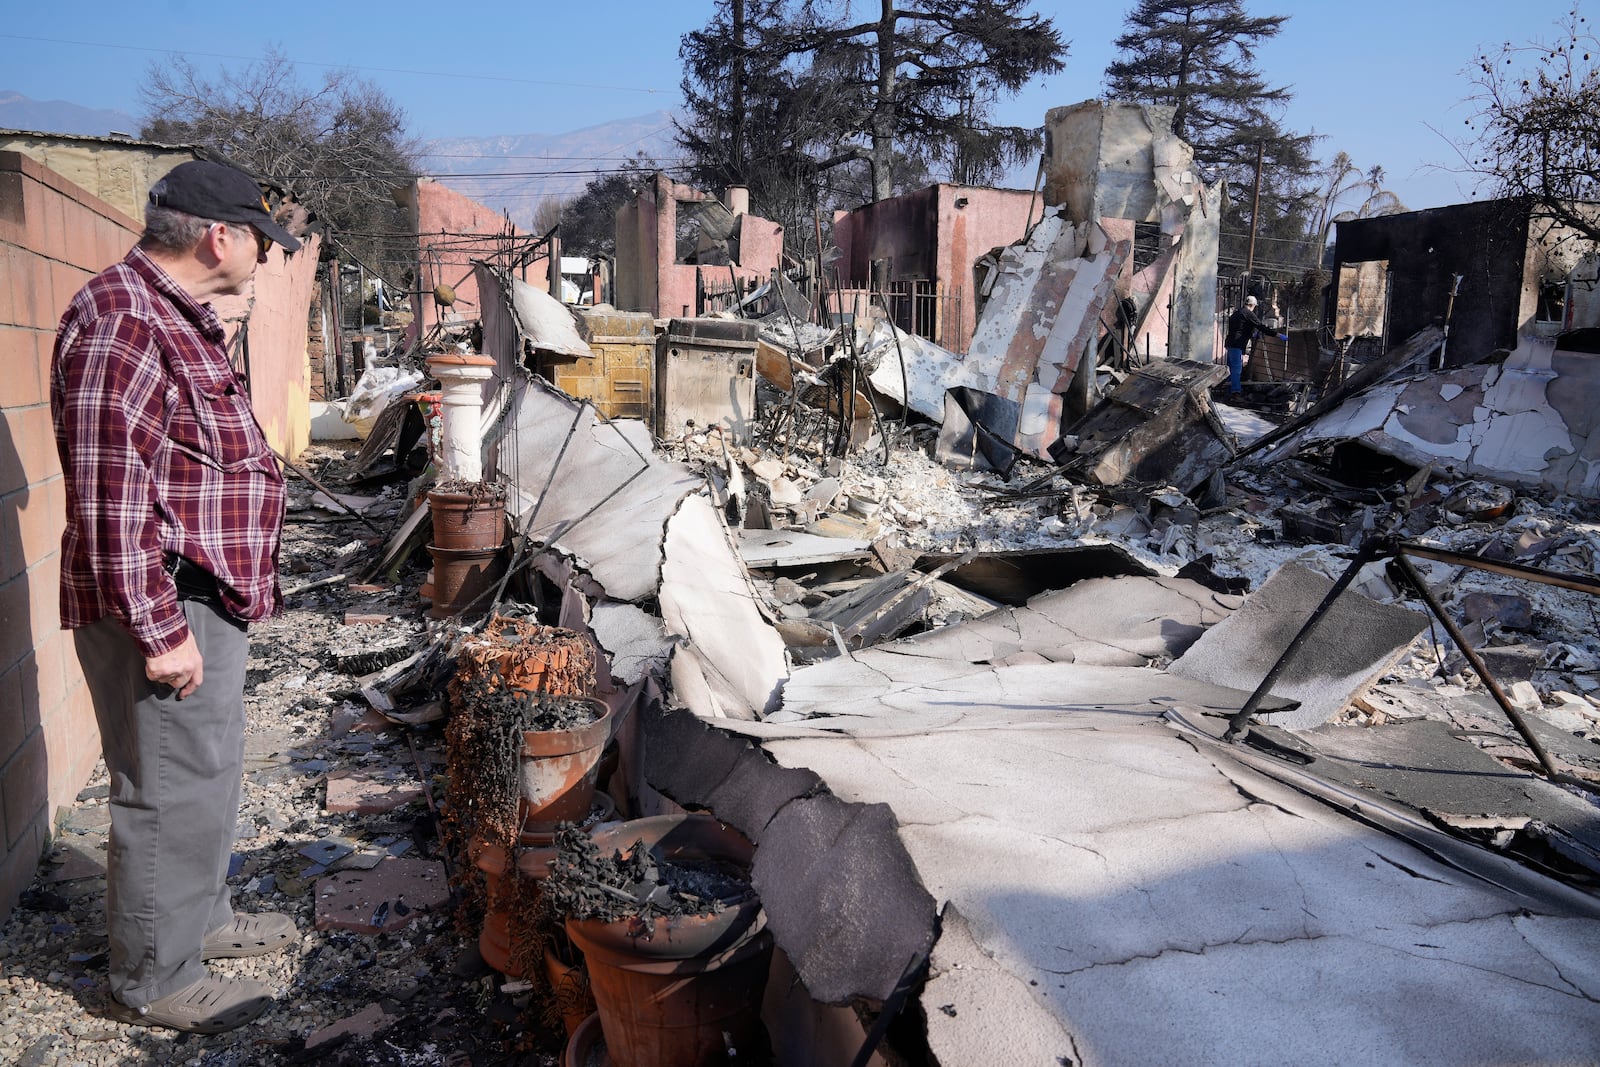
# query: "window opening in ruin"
{"type": "Point", "coordinates": [1552, 307]}
{"type": "Point", "coordinates": [1148, 244]}
{"type": "Point", "coordinates": [703, 229]}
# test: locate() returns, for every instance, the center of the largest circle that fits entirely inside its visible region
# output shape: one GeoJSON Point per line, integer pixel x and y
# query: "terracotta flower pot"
{"type": "Point", "coordinates": [461, 577]}
{"type": "Point", "coordinates": [467, 520]}
{"type": "Point", "coordinates": [569, 983]}
{"type": "Point", "coordinates": [691, 991]}
{"type": "Point", "coordinates": [559, 768]}
{"type": "Point", "coordinates": [587, 1046]}
{"type": "Point", "coordinates": [525, 655]}
{"type": "Point", "coordinates": [535, 854]}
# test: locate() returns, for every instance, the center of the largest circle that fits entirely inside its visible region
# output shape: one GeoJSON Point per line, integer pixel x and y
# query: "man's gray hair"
{"type": "Point", "coordinates": [172, 230]}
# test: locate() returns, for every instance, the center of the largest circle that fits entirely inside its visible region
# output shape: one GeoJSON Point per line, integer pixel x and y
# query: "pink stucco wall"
{"type": "Point", "coordinates": [648, 279]}
{"type": "Point", "coordinates": [455, 230]}
{"type": "Point", "coordinates": [934, 234]}
{"type": "Point", "coordinates": [53, 237]}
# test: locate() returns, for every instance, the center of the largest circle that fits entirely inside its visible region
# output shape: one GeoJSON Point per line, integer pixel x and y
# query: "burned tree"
{"type": "Point", "coordinates": [1198, 57]}
{"type": "Point", "coordinates": [589, 220]}
{"type": "Point", "coordinates": [753, 123]}
{"type": "Point", "coordinates": [340, 146]}
{"type": "Point", "coordinates": [921, 81]}
{"type": "Point", "coordinates": [1537, 129]}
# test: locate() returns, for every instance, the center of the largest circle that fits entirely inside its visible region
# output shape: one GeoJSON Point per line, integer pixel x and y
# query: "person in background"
{"type": "Point", "coordinates": [1243, 329]}
{"type": "Point", "coordinates": [174, 507]}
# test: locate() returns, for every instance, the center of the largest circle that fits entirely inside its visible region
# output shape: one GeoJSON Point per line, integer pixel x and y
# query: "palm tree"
{"type": "Point", "coordinates": [1341, 178]}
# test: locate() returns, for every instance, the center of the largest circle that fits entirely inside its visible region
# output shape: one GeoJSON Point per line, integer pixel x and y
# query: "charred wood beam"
{"type": "Point", "coordinates": [1576, 582]}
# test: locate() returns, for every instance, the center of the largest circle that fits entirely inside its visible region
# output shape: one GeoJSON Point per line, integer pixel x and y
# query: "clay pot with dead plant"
{"type": "Point", "coordinates": [520, 760]}
{"type": "Point", "coordinates": [469, 520]}
{"type": "Point", "coordinates": [673, 936]}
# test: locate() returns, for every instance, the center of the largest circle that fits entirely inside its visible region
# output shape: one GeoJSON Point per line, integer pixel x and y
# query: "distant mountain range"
{"type": "Point", "coordinates": [516, 172]}
{"type": "Point", "coordinates": [18, 112]}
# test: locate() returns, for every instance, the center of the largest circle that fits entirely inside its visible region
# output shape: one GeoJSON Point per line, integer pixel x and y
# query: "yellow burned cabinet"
{"type": "Point", "coordinates": [619, 379]}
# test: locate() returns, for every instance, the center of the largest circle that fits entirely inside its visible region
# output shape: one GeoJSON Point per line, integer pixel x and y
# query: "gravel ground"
{"type": "Point", "coordinates": [440, 1005]}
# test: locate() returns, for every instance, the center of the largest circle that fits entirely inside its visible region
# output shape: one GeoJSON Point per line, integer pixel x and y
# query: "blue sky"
{"type": "Point", "coordinates": [1378, 79]}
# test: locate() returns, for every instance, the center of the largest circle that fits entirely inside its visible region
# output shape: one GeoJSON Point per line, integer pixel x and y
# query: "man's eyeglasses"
{"type": "Point", "coordinates": [263, 242]}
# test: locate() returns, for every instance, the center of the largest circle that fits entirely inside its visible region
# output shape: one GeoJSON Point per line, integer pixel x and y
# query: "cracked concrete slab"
{"type": "Point", "coordinates": [979, 1011]}
{"type": "Point", "coordinates": [1116, 885]}
{"type": "Point", "coordinates": [1243, 917]}
{"type": "Point", "coordinates": [1107, 621]}
{"type": "Point", "coordinates": [1355, 642]}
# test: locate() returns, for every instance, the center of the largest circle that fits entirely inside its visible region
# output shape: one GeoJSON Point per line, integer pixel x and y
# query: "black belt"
{"type": "Point", "coordinates": [194, 582]}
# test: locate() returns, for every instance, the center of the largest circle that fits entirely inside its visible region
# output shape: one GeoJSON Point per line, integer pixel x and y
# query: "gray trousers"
{"type": "Point", "coordinates": [176, 767]}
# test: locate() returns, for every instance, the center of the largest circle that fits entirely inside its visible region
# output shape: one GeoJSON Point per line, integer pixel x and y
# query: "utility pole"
{"type": "Point", "coordinates": [1255, 213]}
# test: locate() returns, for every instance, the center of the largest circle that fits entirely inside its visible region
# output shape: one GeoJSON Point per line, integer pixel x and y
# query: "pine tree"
{"type": "Point", "coordinates": [1198, 57]}
{"type": "Point", "coordinates": [802, 86]}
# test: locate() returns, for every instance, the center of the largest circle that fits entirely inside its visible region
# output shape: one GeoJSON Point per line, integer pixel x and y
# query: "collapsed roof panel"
{"type": "Point", "coordinates": [592, 488]}
{"type": "Point", "coordinates": [1530, 421]}
{"type": "Point", "coordinates": [731, 661]}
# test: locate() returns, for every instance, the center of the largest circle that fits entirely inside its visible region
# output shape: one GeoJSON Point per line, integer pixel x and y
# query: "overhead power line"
{"type": "Point", "coordinates": [339, 66]}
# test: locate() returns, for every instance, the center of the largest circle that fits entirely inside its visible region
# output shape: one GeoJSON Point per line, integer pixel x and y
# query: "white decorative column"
{"type": "Point", "coordinates": [461, 377]}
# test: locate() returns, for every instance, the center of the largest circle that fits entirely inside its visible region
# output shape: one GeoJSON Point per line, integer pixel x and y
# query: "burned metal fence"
{"type": "Point", "coordinates": [926, 308]}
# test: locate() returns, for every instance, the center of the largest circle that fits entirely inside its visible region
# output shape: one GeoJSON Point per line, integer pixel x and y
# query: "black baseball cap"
{"type": "Point", "coordinates": [217, 191]}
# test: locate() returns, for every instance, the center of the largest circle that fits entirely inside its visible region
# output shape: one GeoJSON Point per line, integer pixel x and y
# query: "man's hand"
{"type": "Point", "coordinates": [180, 668]}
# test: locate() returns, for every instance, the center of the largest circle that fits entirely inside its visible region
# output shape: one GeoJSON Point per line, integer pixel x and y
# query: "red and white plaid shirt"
{"type": "Point", "coordinates": [162, 455]}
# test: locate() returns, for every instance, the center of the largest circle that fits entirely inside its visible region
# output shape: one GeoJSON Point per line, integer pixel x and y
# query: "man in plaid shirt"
{"type": "Point", "coordinates": [174, 504]}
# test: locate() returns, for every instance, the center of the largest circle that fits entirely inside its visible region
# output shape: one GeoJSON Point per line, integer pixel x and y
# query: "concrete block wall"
{"type": "Point", "coordinates": [53, 237]}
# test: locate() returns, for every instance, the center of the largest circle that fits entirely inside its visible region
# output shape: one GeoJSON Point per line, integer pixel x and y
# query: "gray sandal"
{"type": "Point", "coordinates": [213, 1005]}
{"type": "Point", "coordinates": [250, 935]}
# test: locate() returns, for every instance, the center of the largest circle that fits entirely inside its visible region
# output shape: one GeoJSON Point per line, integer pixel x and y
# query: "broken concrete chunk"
{"type": "Point", "coordinates": [1356, 641]}
{"type": "Point", "coordinates": [365, 1023]}
{"type": "Point", "coordinates": [370, 792]}
{"type": "Point", "coordinates": [381, 900]}
{"type": "Point", "coordinates": [785, 492]}
{"type": "Point", "coordinates": [1524, 696]}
